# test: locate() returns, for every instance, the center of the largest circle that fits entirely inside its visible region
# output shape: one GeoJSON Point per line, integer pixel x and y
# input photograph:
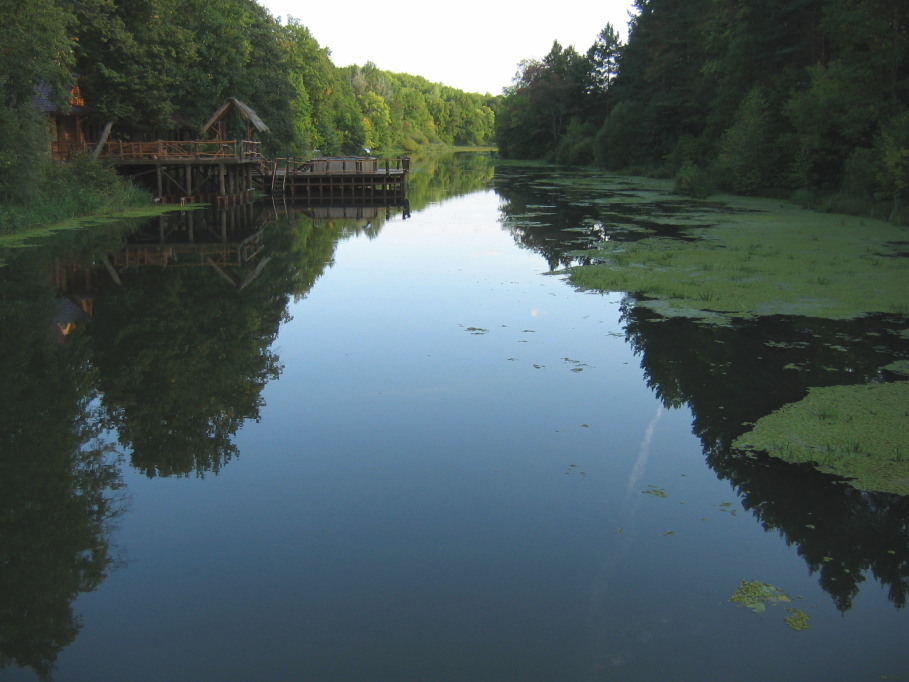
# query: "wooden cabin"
{"type": "Point", "coordinates": [69, 124]}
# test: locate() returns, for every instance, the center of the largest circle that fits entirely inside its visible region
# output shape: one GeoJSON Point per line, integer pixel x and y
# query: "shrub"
{"type": "Point", "coordinates": [742, 160]}
{"type": "Point", "coordinates": [693, 181]}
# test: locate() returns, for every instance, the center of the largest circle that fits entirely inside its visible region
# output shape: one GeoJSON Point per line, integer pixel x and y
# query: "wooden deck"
{"type": "Point", "coordinates": [227, 172]}
{"type": "Point", "coordinates": [350, 177]}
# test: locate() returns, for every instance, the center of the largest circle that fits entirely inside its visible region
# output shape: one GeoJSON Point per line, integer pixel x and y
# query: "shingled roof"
{"type": "Point", "coordinates": [43, 100]}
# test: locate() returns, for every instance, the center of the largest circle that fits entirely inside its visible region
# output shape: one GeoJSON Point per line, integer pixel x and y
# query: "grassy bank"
{"type": "Point", "coordinates": [65, 194]}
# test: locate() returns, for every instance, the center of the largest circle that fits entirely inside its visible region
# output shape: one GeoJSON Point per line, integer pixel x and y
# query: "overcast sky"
{"type": "Point", "coordinates": [472, 45]}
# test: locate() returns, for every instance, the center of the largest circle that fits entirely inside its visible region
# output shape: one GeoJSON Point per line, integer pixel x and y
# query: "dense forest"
{"type": "Point", "coordinates": [155, 69]}
{"type": "Point", "coordinates": [784, 96]}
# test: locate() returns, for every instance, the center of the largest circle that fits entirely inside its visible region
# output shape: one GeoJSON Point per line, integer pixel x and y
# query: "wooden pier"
{"type": "Point", "coordinates": [226, 173]}
{"type": "Point", "coordinates": [216, 172]}
{"type": "Point", "coordinates": [356, 178]}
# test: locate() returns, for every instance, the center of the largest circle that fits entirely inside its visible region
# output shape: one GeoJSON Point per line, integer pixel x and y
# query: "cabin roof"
{"type": "Point", "coordinates": [44, 101]}
{"type": "Point", "coordinates": [245, 111]}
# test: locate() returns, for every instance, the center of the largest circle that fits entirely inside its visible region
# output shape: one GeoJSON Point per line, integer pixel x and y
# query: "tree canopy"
{"type": "Point", "coordinates": [156, 68]}
{"type": "Point", "coordinates": [757, 94]}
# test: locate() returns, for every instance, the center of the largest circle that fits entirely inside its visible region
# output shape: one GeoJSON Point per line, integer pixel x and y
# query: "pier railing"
{"type": "Point", "coordinates": [169, 149]}
{"type": "Point", "coordinates": [336, 165]}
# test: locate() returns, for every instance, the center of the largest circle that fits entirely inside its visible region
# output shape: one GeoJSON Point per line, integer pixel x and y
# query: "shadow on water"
{"type": "Point", "coordinates": [731, 375]}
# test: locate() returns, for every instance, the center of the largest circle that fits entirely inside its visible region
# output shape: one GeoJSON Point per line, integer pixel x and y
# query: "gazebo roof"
{"type": "Point", "coordinates": [245, 111]}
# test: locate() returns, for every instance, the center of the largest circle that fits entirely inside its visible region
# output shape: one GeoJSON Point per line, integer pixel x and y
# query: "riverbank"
{"type": "Point", "coordinates": [69, 195]}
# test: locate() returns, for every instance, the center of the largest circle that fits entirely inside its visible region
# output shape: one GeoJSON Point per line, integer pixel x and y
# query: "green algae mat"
{"type": "Point", "coordinates": [766, 257]}
{"type": "Point", "coordinates": [858, 432]}
{"type": "Point", "coordinates": [761, 258]}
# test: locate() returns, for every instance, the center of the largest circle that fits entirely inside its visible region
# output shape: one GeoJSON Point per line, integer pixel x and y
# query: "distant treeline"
{"type": "Point", "coordinates": [744, 95]}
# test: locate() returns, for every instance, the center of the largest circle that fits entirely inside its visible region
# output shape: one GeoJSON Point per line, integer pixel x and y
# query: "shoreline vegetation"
{"type": "Point", "coordinates": [70, 196]}
{"type": "Point", "coordinates": [808, 101]}
{"type": "Point", "coordinates": [771, 257]}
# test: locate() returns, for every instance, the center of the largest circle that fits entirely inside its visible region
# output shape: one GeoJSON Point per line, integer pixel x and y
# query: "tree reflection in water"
{"type": "Point", "coordinates": [59, 481]}
{"type": "Point", "coordinates": [732, 375]}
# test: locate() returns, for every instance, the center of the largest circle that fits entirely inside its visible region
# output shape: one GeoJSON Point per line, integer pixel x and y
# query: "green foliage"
{"type": "Point", "coordinates": [575, 147]}
{"type": "Point", "coordinates": [743, 161]}
{"type": "Point", "coordinates": [405, 112]}
{"type": "Point", "coordinates": [893, 146]}
{"type": "Point", "coordinates": [693, 181]}
{"type": "Point", "coordinates": [35, 48]}
{"type": "Point", "coordinates": [34, 191]}
{"type": "Point", "coordinates": [23, 141]}
{"type": "Point", "coordinates": [617, 142]}
{"type": "Point", "coordinates": [539, 107]}
{"type": "Point", "coordinates": [773, 94]}
{"type": "Point", "coordinates": [159, 68]}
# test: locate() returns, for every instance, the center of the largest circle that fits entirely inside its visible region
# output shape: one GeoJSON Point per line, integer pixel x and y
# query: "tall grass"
{"type": "Point", "coordinates": [61, 192]}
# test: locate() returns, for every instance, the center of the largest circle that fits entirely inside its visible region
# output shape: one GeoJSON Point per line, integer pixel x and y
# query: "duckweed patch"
{"type": "Point", "coordinates": [26, 239]}
{"type": "Point", "coordinates": [756, 595]}
{"type": "Point", "coordinates": [760, 258]}
{"type": "Point", "coordinates": [857, 432]}
{"type": "Point", "coordinates": [798, 620]}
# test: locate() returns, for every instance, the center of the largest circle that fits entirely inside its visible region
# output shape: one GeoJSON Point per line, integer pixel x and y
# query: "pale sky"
{"type": "Point", "coordinates": [471, 45]}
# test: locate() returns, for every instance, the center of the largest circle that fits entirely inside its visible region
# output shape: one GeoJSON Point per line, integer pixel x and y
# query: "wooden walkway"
{"type": "Point", "coordinates": [219, 172]}
{"type": "Point", "coordinates": [226, 173]}
{"type": "Point", "coordinates": [350, 177]}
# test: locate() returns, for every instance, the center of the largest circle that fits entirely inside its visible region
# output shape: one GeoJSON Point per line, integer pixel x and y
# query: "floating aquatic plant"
{"type": "Point", "coordinates": [768, 260]}
{"type": "Point", "coordinates": [798, 620]}
{"type": "Point", "coordinates": [857, 432]}
{"type": "Point", "coordinates": [755, 595]}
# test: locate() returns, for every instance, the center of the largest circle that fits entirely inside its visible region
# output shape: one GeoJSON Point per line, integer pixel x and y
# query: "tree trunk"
{"type": "Point", "coordinates": [102, 140]}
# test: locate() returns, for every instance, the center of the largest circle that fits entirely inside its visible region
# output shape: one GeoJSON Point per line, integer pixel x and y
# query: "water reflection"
{"type": "Point", "coordinates": [436, 177]}
{"type": "Point", "coordinates": [59, 479]}
{"type": "Point", "coordinates": [158, 343]}
{"type": "Point", "coordinates": [730, 376]}
{"type": "Point", "coordinates": [559, 213]}
{"type": "Point", "coordinates": [158, 336]}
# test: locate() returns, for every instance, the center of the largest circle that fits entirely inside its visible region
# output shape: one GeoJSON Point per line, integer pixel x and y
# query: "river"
{"type": "Point", "coordinates": [285, 443]}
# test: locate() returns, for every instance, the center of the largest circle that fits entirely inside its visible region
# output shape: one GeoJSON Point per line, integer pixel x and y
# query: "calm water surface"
{"type": "Point", "coordinates": [403, 450]}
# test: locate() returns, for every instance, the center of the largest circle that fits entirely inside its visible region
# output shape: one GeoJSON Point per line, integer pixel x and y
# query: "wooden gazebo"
{"type": "Point", "coordinates": [217, 124]}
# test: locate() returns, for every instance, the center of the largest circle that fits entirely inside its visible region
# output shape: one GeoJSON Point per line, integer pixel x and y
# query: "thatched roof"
{"type": "Point", "coordinates": [245, 111]}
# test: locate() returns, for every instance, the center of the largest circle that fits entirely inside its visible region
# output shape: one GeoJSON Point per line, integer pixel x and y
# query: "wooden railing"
{"type": "Point", "coordinates": [64, 151]}
{"type": "Point", "coordinates": [335, 165]}
{"type": "Point", "coordinates": [167, 149]}
{"type": "Point", "coordinates": [182, 149]}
